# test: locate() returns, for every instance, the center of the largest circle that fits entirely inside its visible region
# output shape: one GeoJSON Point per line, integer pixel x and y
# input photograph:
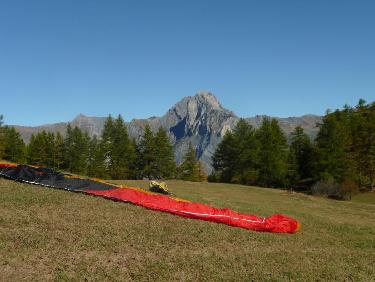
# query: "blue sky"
{"type": "Point", "coordinates": [138, 58]}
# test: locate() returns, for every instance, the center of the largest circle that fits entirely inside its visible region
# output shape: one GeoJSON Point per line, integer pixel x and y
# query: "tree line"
{"type": "Point", "coordinates": [113, 155]}
{"type": "Point", "coordinates": [338, 162]}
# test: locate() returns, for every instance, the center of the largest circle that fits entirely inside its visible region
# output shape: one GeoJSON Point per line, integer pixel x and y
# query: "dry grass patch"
{"type": "Point", "coordinates": [48, 234]}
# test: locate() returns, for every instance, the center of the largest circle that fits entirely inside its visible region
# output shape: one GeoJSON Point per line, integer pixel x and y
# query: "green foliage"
{"type": "Point", "coordinates": [58, 159]}
{"type": "Point", "coordinates": [113, 155]}
{"type": "Point", "coordinates": [119, 150]}
{"type": "Point", "coordinates": [301, 157]}
{"type": "Point", "coordinates": [147, 155]}
{"type": "Point", "coordinates": [273, 154]}
{"type": "Point", "coordinates": [346, 145]}
{"type": "Point", "coordinates": [46, 149]}
{"type": "Point", "coordinates": [76, 150]}
{"type": "Point", "coordinates": [225, 158]}
{"type": "Point", "coordinates": [14, 147]}
{"type": "Point", "coordinates": [251, 156]}
{"type": "Point", "coordinates": [332, 142]}
{"type": "Point", "coordinates": [363, 146]}
{"type": "Point", "coordinates": [341, 159]}
{"type": "Point", "coordinates": [165, 161]}
{"type": "Point", "coordinates": [155, 157]}
{"type": "Point", "coordinates": [96, 159]}
{"type": "Point", "coordinates": [2, 141]}
{"type": "Point", "coordinates": [235, 160]}
{"type": "Point", "coordinates": [190, 169]}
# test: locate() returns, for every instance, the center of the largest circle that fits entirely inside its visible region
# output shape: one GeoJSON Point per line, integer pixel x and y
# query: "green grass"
{"type": "Point", "coordinates": [366, 198]}
{"type": "Point", "coordinates": [48, 234]}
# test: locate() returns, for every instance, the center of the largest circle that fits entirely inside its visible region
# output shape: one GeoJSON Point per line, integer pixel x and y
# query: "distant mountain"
{"type": "Point", "coordinates": [198, 119]}
{"type": "Point", "coordinates": [93, 125]}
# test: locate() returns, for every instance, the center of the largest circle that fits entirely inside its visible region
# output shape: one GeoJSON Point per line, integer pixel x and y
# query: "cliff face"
{"type": "Point", "coordinates": [199, 119]}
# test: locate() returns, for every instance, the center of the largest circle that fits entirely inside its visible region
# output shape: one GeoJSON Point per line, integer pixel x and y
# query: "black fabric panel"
{"type": "Point", "coordinates": [52, 178]}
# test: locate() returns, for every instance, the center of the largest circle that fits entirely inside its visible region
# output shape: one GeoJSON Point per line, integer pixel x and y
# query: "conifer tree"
{"type": "Point", "coordinates": [202, 175]}
{"type": "Point", "coordinates": [107, 136]}
{"type": "Point", "coordinates": [272, 154]}
{"type": "Point", "coordinates": [363, 147]}
{"type": "Point", "coordinates": [122, 152]}
{"type": "Point", "coordinates": [333, 161]}
{"type": "Point", "coordinates": [236, 156]}
{"type": "Point", "coordinates": [36, 153]}
{"type": "Point", "coordinates": [76, 150]}
{"type": "Point", "coordinates": [147, 155]}
{"type": "Point", "coordinates": [59, 151]}
{"type": "Point", "coordinates": [189, 168]}
{"type": "Point", "coordinates": [165, 161]}
{"type": "Point", "coordinates": [2, 141]}
{"type": "Point", "coordinates": [14, 147]}
{"type": "Point", "coordinates": [68, 143]}
{"type": "Point", "coordinates": [247, 153]}
{"type": "Point", "coordinates": [115, 152]}
{"type": "Point", "coordinates": [49, 149]}
{"type": "Point", "coordinates": [96, 159]}
{"type": "Point", "coordinates": [224, 160]}
{"type": "Point", "coordinates": [301, 151]}
{"type": "Point", "coordinates": [46, 149]}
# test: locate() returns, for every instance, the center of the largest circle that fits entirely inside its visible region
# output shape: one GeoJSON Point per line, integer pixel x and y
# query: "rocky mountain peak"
{"type": "Point", "coordinates": [192, 107]}
{"type": "Point", "coordinates": [79, 118]}
{"type": "Point", "coordinates": [208, 99]}
{"type": "Point", "coordinates": [92, 125]}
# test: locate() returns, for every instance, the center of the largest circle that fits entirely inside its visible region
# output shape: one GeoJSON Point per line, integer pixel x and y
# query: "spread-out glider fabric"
{"type": "Point", "coordinates": [50, 178]}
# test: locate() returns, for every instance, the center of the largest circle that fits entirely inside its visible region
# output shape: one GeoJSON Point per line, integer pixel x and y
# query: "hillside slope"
{"type": "Point", "coordinates": [48, 234]}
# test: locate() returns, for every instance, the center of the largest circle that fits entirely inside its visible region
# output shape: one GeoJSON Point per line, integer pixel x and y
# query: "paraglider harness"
{"type": "Point", "coordinates": [159, 187]}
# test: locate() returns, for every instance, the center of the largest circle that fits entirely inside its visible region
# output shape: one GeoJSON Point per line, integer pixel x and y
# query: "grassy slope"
{"type": "Point", "coordinates": [52, 234]}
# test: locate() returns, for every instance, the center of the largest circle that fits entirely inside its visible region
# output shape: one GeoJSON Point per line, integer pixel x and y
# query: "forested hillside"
{"type": "Point", "coordinates": [114, 155]}
{"type": "Point", "coordinates": [339, 162]}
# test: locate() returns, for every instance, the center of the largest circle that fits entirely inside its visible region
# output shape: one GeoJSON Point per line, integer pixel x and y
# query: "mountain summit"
{"type": "Point", "coordinates": [200, 120]}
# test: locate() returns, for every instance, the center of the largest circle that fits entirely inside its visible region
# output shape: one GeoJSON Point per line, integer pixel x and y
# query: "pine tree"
{"type": "Point", "coordinates": [189, 168]}
{"type": "Point", "coordinates": [224, 158]}
{"type": "Point", "coordinates": [96, 159]}
{"type": "Point", "coordinates": [236, 156]}
{"type": "Point", "coordinates": [333, 161]}
{"type": "Point", "coordinates": [76, 150]}
{"type": "Point", "coordinates": [202, 175]}
{"type": "Point", "coordinates": [46, 149]}
{"type": "Point", "coordinates": [165, 161]}
{"type": "Point", "coordinates": [122, 152]}
{"type": "Point", "coordinates": [147, 155]}
{"type": "Point", "coordinates": [14, 147]}
{"type": "Point", "coordinates": [36, 153]}
{"type": "Point", "coordinates": [59, 151]}
{"type": "Point", "coordinates": [107, 137]}
{"type": "Point", "coordinates": [49, 150]}
{"type": "Point", "coordinates": [2, 141]}
{"type": "Point", "coordinates": [247, 153]}
{"type": "Point", "coordinates": [272, 154]}
{"type": "Point", "coordinates": [302, 155]}
{"type": "Point", "coordinates": [363, 151]}
{"type": "Point", "coordinates": [68, 143]}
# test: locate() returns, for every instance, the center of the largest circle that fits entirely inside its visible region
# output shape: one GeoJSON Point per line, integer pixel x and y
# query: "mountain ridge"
{"type": "Point", "coordinates": [200, 120]}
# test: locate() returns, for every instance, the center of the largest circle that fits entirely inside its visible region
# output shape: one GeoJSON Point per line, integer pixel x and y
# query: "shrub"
{"type": "Point", "coordinates": [327, 188]}
{"type": "Point", "coordinates": [348, 188]}
{"type": "Point", "coordinates": [331, 189]}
